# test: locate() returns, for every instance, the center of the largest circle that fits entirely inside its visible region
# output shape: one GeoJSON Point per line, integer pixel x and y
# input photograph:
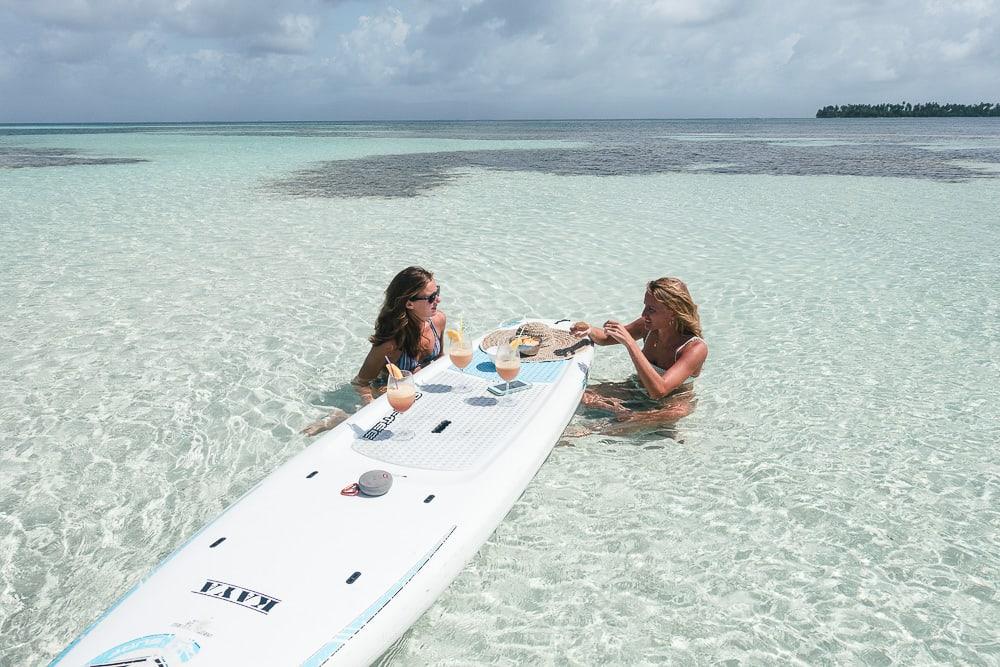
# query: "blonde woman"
{"type": "Point", "coordinates": [672, 353]}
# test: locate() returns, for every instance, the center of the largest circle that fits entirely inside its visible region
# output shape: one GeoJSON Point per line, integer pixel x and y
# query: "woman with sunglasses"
{"type": "Point", "coordinates": [408, 331]}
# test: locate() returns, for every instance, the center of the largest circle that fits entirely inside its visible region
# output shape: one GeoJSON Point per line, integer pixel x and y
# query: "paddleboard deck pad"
{"type": "Point", "coordinates": [298, 573]}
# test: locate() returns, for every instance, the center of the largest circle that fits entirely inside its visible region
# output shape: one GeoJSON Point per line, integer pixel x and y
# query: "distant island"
{"type": "Point", "coordinates": [907, 110]}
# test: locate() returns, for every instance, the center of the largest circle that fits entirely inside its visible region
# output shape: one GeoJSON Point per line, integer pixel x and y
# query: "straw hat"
{"type": "Point", "coordinates": [555, 345]}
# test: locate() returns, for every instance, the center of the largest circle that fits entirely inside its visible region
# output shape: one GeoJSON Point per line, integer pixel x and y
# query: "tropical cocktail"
{"type": "Point", "coordinates": [508, 365]}
{"type": "Point", "coordinates": [460, 353]}
{"type": "Point", "coordinates": [401, 393]}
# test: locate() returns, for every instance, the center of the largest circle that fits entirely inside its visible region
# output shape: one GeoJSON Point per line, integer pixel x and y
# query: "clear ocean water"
{"type": "Point", "coordinates": [177, 301]}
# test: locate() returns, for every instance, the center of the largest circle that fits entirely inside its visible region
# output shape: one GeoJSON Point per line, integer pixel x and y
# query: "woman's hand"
{"type": "Point", "coordinates": [326, 423]}
{"type": "Point", "coordinates": [618, 332]}
{"type": "Point", "coordinates": [603, 335]}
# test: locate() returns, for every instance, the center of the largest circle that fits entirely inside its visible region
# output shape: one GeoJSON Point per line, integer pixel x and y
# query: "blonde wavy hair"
{"type": "Point", "coordinates": [674, 294]}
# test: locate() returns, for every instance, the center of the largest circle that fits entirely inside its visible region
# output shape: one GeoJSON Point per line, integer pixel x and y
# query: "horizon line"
{"type": "Point", "coordinates": [458, 120]}
{"type": "Point", "coordinates": [409, 120]}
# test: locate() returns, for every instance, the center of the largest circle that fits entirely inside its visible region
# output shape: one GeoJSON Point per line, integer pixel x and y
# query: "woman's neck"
{"type": "Point", "coordinates": [669, 337]}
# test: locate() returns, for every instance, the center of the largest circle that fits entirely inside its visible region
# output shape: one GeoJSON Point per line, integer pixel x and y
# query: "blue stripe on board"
{"type": "Point", "coordinates": [332, 646]}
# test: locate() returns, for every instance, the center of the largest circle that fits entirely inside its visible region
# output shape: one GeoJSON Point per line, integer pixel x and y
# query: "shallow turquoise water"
{"type": "Point", "coordinates": [167, 327]}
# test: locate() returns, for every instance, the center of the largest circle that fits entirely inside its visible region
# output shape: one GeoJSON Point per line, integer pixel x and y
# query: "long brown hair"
{"type": "Point", "coordinates": [395, 321]}
{"type": "Point", "coordinates": [674, 294]}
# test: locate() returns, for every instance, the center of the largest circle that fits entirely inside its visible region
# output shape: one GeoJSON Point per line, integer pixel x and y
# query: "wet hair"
{"type": "Point", "coordinates": [395, 321]}
{"type": "Point", "coordinates": [674, 294]}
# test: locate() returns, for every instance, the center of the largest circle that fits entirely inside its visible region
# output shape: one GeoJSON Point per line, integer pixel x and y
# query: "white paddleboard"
{"type": "Point", "coordinates": [295, 573]}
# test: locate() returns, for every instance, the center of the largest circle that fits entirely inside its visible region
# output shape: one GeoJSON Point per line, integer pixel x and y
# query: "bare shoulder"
{"type": "Point", "coordinates": [699, 343]}
{"type": "Point", "coordinates": [385, 345]}
{"type": "Point", "coordinates": [695, 351]}
{"type": "Point", "coordinates": [384, 349]}
{"type": "Point", "coordinates": [440, 320]}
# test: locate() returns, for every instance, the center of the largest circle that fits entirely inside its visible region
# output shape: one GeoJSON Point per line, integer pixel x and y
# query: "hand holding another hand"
{"type": "Point", "coordinates": [617, 331]}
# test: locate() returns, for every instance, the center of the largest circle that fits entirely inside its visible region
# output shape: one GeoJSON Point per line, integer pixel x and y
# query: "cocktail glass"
{"type": "Point", "coordinates": [508, 365]}
{"type": "Point", "coordinates": [460, 353]}
{"type": "Point", "coordinates": [401, 393]}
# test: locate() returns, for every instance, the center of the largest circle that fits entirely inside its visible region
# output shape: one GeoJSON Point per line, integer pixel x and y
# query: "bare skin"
{"type": "Point", "coordinates": [656, 327]}
{"type": "Point", "coordinates": [374, 364]}
{"type": "Point", "coordinates": [326, 423]}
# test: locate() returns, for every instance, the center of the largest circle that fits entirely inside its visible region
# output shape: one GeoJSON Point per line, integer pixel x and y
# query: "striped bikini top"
{"type": "Point", "coordinates": [408, 363]}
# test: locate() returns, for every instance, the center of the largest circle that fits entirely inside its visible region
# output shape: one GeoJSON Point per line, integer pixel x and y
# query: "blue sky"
{"type": "Point", "coordinates": [185, 60]}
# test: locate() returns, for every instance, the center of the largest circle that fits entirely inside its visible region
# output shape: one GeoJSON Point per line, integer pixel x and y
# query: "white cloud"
{"type": "Point", "coordinates": [959, 50]}
{"type": "Point", "coordinates": [68, 47]}
{"type": "Point", "coordinates": [141, 39]}
{"type": "Point", "coordinates": [785, 50]}
{"type": "Point", "coordinates": [82, 14]}
{"type": "Point", "coordinates": [280, 25]}
{"type": "Point", "coordinates": [980, 9]}
{"type": "Point", "coordinates": [376, 49]}
{"type": "Point", "coordinates": [689, 12]}
{"type": "Point", "coordinates": [295, 33]}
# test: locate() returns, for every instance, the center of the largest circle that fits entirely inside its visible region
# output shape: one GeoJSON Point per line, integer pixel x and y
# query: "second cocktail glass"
{"type": "Point", "coordinates": [460, 353]}
{"type": "Point", "coordinates": [508, 364]}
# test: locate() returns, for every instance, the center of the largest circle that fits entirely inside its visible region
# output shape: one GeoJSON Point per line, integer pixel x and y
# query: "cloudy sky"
{"type": "Point", "coordinates": [177, 60]}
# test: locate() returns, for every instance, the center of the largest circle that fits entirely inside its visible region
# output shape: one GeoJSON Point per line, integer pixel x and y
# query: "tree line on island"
{"type": "Point", "coordinates": [907, 110]}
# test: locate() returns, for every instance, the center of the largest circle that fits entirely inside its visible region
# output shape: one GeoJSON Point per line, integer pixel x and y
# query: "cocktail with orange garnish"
{"type": "Point", "coordinates": [460, 353]}
{"type": "Point", "coordinates": [508, 365]}
{"type": "Point", "coordinates": [402, 393]}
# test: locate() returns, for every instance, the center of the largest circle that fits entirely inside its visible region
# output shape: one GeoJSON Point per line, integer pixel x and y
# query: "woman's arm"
{"type": "Point", "coordinates": [372, 367]}
{"type": "Point", "coordinates": [636, 329]}
{"type": "Point", "coordinates": [659, 385]}
{"type": "Point", "coordinates": [361, 383]}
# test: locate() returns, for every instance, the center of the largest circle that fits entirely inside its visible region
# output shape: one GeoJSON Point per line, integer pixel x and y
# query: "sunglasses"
{"type": "Point", "coordinates": [429, 298]}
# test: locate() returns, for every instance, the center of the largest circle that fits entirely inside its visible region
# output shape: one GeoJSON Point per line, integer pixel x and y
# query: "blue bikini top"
{"type": "Point", "coordinates": [408, 363]}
